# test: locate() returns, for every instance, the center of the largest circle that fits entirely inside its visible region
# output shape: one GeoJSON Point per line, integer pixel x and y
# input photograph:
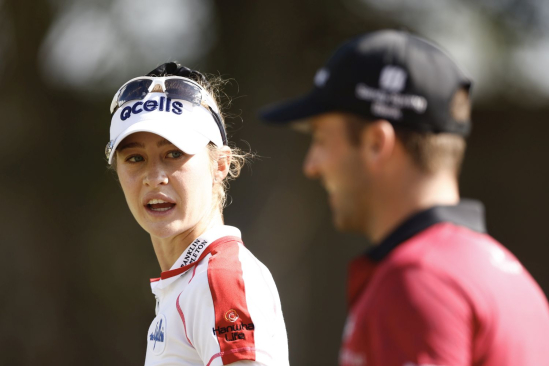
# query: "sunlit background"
{"type": "Point", "coordinates": [75, 264]}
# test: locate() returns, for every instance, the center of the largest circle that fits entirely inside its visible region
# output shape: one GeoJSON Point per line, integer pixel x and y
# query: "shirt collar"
{"type": "Point", "coordinates": [193, 252]}
{"type": "Point", "coordinates": [468, 213]}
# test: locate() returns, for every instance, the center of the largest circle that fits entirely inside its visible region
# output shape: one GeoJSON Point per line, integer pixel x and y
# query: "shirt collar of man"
{"type": "Point", "coordinates": [468, 213]}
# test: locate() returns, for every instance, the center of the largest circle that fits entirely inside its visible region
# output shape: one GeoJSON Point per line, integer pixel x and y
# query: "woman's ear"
{"type": "Point", "coordinates": [223, 163]}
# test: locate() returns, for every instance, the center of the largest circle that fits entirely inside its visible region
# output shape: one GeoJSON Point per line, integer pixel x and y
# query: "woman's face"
{"type": "Point", "coordinates": [168, 191]}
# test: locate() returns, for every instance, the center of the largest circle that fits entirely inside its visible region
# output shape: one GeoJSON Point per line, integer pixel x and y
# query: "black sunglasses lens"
{"type": "Point", "coordinates": [136, 90]}
{"type": "Point", "coordinates": [176, 89]}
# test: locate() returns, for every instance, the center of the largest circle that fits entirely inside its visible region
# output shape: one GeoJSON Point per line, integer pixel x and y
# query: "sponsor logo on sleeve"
{"type": "Point", "coordinates": [234, 332]}
{"type": "Point", "coordinates": [231, 315]}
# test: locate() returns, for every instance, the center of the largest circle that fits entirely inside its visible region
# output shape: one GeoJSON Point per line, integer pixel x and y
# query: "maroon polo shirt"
{"type": "Point", "coordinates": [440, 291]}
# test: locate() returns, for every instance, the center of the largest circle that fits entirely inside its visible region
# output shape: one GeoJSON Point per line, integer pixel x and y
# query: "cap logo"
{"type": "Point", "coordinates": [392, 79]}
{"type": "Point", "coordinates": [387, 101]}
{"type": "Point", "coordinates": [322, 77]}
{"type": "Point", "coordinates": [162, 105]}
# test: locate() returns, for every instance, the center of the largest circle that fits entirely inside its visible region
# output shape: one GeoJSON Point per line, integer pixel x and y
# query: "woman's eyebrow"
{"type": "Point", "coordinates": [163, 142]}
{"type": "Point", "coordinates": [130, 145]}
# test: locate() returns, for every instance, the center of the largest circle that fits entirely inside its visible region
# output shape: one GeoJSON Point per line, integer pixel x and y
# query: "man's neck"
{"type": "Point", "coordinates": [410, 197]}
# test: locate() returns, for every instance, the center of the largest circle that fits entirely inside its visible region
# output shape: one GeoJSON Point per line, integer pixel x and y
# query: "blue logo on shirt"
{"type": "Point", "coordinates": [158, 334]}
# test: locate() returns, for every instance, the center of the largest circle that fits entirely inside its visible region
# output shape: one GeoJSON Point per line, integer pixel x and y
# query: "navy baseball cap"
{"type": "Point", "coordinates": [389, 75]}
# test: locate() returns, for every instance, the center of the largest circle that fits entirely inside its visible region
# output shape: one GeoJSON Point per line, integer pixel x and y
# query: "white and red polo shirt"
{"type": "Point", "coordinates": [217, 305]}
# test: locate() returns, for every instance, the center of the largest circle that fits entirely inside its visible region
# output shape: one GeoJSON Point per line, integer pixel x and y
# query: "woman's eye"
{"type": "Point", "coordinates": [175, 154]}
{"type": "Point", "coordinates": [135, 159]}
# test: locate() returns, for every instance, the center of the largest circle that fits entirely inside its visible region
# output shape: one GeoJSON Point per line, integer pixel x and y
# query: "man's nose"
{"type": "Point", "coordinates": [310, 165]}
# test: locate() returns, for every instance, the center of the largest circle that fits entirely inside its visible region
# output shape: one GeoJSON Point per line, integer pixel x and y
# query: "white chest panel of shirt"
{"type": "Point", "coordinates": [165, 345]}
{"type": "Point", "coordinates": [183, 331]}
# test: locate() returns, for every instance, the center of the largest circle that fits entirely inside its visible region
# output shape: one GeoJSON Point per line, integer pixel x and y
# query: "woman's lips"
{"type": "Point", "coordinates": [158, 205]}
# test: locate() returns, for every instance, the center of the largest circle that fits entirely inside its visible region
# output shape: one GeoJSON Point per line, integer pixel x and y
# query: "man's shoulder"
{"type": "Point", "coordinates": [445, 247]}
{"type": "Point", "coordinates": [471, 263]}
{"type": "Point", "coordinates": [448, 254]}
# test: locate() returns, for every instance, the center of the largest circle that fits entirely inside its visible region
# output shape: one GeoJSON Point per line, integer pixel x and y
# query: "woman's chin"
{"type": "Point", "coordinates": [165, 230]}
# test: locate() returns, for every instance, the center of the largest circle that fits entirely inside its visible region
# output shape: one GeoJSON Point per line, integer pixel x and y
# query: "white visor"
{"type": "Point", "coordinates": [188, 127]}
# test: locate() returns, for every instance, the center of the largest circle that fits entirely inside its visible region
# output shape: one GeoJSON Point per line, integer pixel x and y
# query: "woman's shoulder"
{"type": "Point", "coordinates": [228, 265]}
{"type": "Point", "coordinates": [235, 256]}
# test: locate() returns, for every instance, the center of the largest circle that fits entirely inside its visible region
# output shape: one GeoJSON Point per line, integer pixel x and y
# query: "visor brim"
{"type": "Point", "coordinates": [183, 137]}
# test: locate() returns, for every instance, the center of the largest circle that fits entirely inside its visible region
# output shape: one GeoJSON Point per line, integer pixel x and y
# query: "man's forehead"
{"type": "Point", "coordinates": [325, 122]}
{"type": "Point", "coordinates": [328, 121]}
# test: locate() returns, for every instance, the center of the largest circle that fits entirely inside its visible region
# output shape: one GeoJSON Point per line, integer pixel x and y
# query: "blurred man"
{"type": "Point", "coordinates": [389, 114]}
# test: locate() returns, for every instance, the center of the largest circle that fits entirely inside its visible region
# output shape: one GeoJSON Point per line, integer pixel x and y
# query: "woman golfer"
{"type": "Point", "coordinates": [216, 304]}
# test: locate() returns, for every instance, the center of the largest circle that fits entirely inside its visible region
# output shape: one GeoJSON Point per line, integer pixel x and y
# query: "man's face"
{"type": "Point", "coordinates": [335, 161]}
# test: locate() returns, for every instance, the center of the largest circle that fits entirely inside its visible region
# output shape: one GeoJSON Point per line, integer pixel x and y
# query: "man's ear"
{"type": "Point", "coordinates": [377, 143]}
{"type": "Point", "coordinates": [223, 163]}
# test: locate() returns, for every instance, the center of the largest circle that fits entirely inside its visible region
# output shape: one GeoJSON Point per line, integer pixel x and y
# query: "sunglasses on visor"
{"type": "Point", "coordinates": [175, 87]}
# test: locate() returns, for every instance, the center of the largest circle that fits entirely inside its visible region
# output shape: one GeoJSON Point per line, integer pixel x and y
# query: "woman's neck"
{"type": "Point", "coordinates": [168, 250]}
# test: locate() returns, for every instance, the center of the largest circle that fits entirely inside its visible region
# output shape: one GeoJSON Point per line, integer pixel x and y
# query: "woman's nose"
{"type": "Point", "coordinates": [155, 177]}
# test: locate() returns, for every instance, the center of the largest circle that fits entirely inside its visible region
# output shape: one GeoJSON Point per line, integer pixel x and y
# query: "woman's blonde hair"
{"type": "Point", "coordinates": [237, 157]}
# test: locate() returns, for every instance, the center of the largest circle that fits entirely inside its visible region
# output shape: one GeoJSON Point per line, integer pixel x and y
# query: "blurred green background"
{"type": "Point", "coordinates": [75, 265]}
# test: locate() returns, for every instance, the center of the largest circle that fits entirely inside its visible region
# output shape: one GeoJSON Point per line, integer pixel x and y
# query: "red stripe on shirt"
{"type": "Point", "coordinates": [236, 341]}
{"type": "Point", "coordinates": [183, 319]}
{"type": "Point", "coordinates": [194, 272]}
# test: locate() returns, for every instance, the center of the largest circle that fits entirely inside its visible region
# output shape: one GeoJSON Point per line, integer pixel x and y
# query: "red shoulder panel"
{"type": "Point", "coordinates": [234, 325]}
{"type": "Point", "coordinates": [212, 247]}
